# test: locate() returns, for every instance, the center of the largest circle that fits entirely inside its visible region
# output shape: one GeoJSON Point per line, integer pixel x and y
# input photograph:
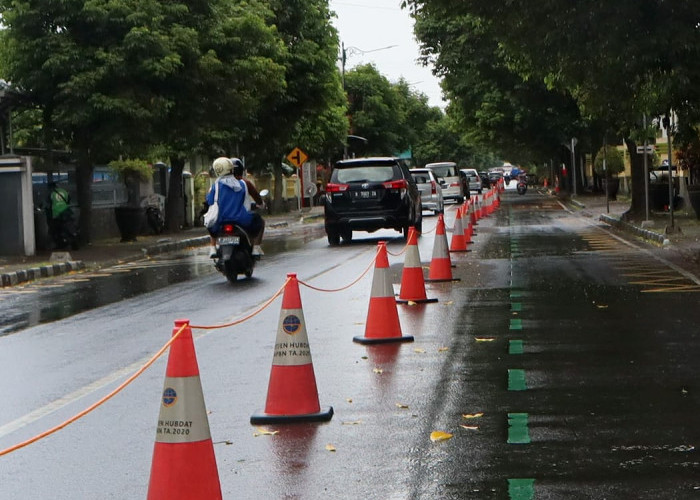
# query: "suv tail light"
{"type": "Point", "coordinates": [454, 184]}
{"type": "Point", "coordinates": [336, 188]}
{"type": "Point", "coordinates": [400, 186]}
{"type": "Point", "coordinates": [433, 188]}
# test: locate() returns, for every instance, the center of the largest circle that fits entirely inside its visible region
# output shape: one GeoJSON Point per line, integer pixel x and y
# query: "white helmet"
{"type": "Point", "coordinates": [222, 166]}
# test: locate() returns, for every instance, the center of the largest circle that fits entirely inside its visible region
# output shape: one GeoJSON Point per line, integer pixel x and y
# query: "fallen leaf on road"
{"type": "Point", "coordinates": [601, 306]}
{"type": "Point", "coordinates": [484, 339]}
{"type": "Point", "coordinates": [264, 432]}
{"type": "Point", "coordinates": [470, 427]}
{"type": "Point", "coordinates": [355, 422]}
{"type": "Point", "coordinates": [411, 303]}
{"type": "Point", "coordinates": [472, 415]}
{"type": "Point", "coordinates": [349, 400]}
{"type": "Point", "coordinates": [443, 349]}
{"type": "Point", "coordinates": [436, 436]}
{"type": "Point", "coordinates": [401, 405]}
{"type": "Point", "coordinates": [330, 447]}
{"type": "Point", "coordinates": [419, 350]}
{"type": "Point", "coordinates": [449, 302]}
{"type": "Point", "coordinates": [378, 370]}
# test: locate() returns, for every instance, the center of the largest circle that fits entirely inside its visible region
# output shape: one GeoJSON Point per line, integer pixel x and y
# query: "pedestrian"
{"type": "Point", "coordinates": [59, 212]}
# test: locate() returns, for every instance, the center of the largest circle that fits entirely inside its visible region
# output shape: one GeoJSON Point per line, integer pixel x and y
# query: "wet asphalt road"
{"type": "Point", "coordinates": [573, 352]}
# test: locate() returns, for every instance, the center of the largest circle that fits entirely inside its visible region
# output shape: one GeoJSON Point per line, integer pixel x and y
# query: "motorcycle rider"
{"type": "Point", "coordinates": [233, 190]}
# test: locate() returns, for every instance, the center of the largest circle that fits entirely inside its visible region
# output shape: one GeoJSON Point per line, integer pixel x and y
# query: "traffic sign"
{"type": "Point", "coordinates": [297, 157]}
{"type": "Point", "coordinates": [650, 149]}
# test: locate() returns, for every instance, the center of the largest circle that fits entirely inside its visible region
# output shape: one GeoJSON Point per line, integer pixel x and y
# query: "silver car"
{"type": "Point", "coordinates": [470, 181]}
{"type": "Point", "coordinates": [446, 173]}
{"type": "Point", "coordinates": [430, 189]}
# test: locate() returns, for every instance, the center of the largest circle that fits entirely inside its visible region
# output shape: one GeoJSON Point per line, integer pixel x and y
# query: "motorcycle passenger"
{"type": "Point", "coordinates": [233, 190]}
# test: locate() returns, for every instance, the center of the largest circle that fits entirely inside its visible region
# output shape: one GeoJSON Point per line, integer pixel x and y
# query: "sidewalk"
{"type": "Point", "coordinates": [108, 252]}
{"type": "Point", "coordinates": [682, 245]}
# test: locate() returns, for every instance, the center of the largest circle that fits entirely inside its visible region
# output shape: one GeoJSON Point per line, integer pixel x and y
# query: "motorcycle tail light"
{"type": "Point", "coordinates": [227, 229]}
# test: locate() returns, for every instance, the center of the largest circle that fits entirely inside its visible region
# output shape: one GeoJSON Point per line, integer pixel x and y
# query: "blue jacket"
{"type": "Point", "coordinates": [232, 194]}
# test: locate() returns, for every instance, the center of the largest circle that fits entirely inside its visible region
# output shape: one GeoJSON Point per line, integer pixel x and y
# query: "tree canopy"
{"type": "Point", "coordinates": [589, 69]}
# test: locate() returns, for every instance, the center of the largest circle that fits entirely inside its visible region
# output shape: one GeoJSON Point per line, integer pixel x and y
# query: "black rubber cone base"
{"type": "Point", "coordinates": [443, 281]}
{"type": "Point", "coordinates": [382, 340]}
{"type": "Point", "coordinates": [418, 301]}
{"type": "Point", "coordinates": [266, 418]}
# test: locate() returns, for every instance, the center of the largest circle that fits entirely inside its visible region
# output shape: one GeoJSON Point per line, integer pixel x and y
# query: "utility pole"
{"type": "Point", "coordinates": [669, 125]}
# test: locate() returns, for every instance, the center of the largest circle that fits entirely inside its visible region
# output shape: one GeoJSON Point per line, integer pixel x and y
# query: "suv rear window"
{"type": "Point", "coordinates": [379, 173]}
{"type": "Point", "coordinates": [445, 171]}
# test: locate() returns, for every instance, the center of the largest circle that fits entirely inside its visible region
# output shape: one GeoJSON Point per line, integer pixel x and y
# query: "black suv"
{"type": "Point", "coordinates": [367, 194]}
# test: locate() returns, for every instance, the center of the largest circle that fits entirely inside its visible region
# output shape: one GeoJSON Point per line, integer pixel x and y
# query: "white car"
{"type": "Point", "coordinates": [430, 189]}
{"type": "Point", "coordinates": [447, 176]}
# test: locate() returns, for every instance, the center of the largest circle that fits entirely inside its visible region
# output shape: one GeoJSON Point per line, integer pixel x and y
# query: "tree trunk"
{"type": "Point", "coordinates": [175, 201]}
{"type": "Point", "coordinates": [637, 210]}
{"type": "Point", "coordinates": [277, 195]}
{"type": "Point", "coordinates": [84, 169]}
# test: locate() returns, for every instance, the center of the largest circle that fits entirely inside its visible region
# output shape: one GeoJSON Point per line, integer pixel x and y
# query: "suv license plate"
{"type": "Point", "coordinates": [228, 240]}
{"type": "Point", "coordinates": [366, 194]}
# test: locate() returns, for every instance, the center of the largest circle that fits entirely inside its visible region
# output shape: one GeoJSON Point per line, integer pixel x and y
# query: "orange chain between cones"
{"type": "Point", "coordinates": [369, 266]}
{"type": "Point", "coordinates": [162, 350]}
{"type": "Point", "coordinates": [98, 403]}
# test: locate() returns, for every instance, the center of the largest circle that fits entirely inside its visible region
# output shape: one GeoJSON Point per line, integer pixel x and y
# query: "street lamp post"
{"type": "Point", "coordinates": [349, 51]}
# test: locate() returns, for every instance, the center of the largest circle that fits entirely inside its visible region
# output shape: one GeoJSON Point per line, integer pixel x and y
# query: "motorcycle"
{"type": "Point", "coordinates": [522, 185]}
{"type": "Point", "coordinates": [64, 231]}
{"type": "Point", "coordinates": [155, 220]}
{"type": "Point", "coordinates": [235, 250]}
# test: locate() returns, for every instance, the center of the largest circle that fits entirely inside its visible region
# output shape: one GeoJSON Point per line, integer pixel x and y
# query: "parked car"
{"type": "Point", "coordinates": [469, 181]}
{"type": "Point", "coordinates": [446, 173]}
{"type": "Point", "coordinates": [430, 189]}
{"type": "Point", "coordinates": [495, 175]}
{"type": "Point", "coordinates": [366, 194]}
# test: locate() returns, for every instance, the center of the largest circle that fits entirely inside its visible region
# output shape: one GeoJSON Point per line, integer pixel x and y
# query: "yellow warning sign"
{"type": "Point", "coordinates": [297, 157]}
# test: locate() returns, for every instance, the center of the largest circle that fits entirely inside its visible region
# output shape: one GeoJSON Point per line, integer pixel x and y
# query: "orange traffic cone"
{"type": "Point", "coordinates": [291, 394]}
{"type": "Point", "coordinates": [382, 317]}
{"type": "Point", "coordinates": [468, 233]}
{"type": "Point", "coordinates": [472, 211]}
{"type": "Point", "coordinates": [440, 265]}
{"type": "Point", "coordinates": [412, 281]}
{"type": "Point", "coordinates": [184, 465]}
{"type": "Point", "coordinates": [457, 244]}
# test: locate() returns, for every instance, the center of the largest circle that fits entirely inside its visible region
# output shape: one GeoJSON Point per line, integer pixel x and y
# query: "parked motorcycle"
{"type": "Point", "coordinates": [235, 250]}
{"type": "Point", "coordinates": [64, 231]}
{"type": "Point", "coordinates": [155, 220]}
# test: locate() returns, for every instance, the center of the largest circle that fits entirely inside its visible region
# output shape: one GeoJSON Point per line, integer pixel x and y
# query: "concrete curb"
{"type": "Point", "coordinates": [637, 231]}
{"type": "Point", "coordinates": [25, 275]}
{"type": "Point", "coordinates": [171, 246]}
{"type": "Point", "coordinates": [22, 276]}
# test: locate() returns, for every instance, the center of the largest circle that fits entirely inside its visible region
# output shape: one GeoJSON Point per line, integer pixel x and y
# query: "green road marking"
{"type": "Point", "coordinates": [516, 294]}
{"type": "Point", "coordinates": [516, 307]}
{"type": "Point", "coordinates": [516, 324]}
{"type": "Point", "coordinates": [518, 432]}
{"type": "Point", "coordinates": [515, 347]}
{"type": "Point", "coordinates": [516, 380]}
{"type": "Point", "coordinates": [521, 489]}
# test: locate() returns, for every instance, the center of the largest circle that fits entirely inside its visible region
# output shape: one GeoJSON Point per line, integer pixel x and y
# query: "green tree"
{"type": "Point", "coordinates": [377, 112]}
{"type": "Point", "coordinates": [617, 60]}
{"type": "Point", "coordinates": [308, 111]}
{"type": "Point", "coordinates": [130, 77]}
